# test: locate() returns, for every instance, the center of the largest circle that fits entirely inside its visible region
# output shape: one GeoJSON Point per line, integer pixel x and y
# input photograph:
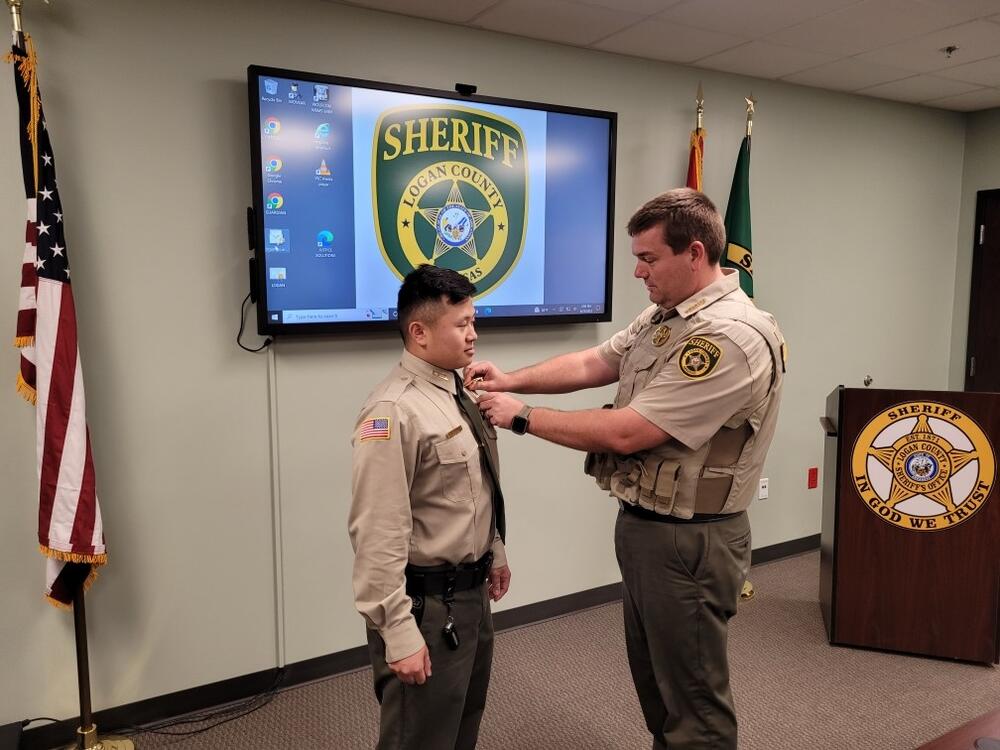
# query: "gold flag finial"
{"type": "Point", "coordinates": [15, 15]}
{"type": "Point", "coordinates": [750, 106]}
{"type": "Point", "coordinates": [700, 102]}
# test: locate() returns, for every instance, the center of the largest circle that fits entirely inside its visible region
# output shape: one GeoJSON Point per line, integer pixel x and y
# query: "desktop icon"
{"type": "Point", "coordinates": [293, 92]}
{"type": "Point", "coordinates": [273, 164]}
{"type": "Point", "coordinates": [270, 87]}
{"type": "Point", "coordinates": [323, 170]}
{"type": "Point", "coordinates": [276, 237]}
{"type": "Point", "coordinates": [277, 273]}
{"type": "Point", "coordinates": [272, 126]}
{"type": "Point", "coordinates": [321, 93]}
{"type": "Point", "coordinates": [324, 240]}
{"type": "Point", "coordinates": [275, 201]}
{"type": "Point", "coordinates": [322, 131]}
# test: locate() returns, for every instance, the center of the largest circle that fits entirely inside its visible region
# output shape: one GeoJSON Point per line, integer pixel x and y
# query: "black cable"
{"type": "Point", "coordinates": [219, 717]}
{"type": "Point", "coordinates": [243, 320]}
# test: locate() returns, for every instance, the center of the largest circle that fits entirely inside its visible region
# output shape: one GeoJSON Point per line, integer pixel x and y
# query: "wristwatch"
{"type": "Point", "coordinates": [519, 424]}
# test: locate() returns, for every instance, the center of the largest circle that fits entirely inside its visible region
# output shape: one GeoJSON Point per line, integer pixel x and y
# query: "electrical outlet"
{"type": "Point", "coordinates": [762, 492]}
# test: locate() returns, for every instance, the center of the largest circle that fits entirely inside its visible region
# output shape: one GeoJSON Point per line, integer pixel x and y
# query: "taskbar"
{"type": "Point", "coordinates": [364, 314]}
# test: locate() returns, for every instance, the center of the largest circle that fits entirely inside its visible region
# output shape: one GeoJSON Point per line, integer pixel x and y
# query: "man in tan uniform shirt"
{"type": "Point", "coordinates": [426, 524]}
{"type": "Point", "coordinates": [681, 449]}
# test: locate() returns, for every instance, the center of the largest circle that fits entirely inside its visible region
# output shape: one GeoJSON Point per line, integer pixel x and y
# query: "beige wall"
{"type": "Point", "coordinates": [856, 213]}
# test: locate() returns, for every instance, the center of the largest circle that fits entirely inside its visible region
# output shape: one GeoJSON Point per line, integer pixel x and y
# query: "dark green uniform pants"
{"type": "Point", "coordinates": [443, 713]}
{"type": "Point", "coordinates": [681, 585]}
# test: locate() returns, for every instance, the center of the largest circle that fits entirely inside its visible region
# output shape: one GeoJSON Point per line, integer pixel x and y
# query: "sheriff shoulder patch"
{"type": "Point", "coordinates": [378, 428]}
{"type": "Point", "coordinates": [699, 358]}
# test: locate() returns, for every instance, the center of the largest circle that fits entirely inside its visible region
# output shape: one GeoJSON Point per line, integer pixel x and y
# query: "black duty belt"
{"type": "Point", "coordinates": [443, 580]}
{"type": "Point", "coordinates": [649, 515]}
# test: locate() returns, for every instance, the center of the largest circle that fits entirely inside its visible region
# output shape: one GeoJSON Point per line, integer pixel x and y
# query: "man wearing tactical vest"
{"type": "Point", "coordinates": [681, 449]}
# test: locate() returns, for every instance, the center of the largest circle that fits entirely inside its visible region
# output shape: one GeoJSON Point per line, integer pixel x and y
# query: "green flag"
{"type": "Point", "coordinates": [739, 252]}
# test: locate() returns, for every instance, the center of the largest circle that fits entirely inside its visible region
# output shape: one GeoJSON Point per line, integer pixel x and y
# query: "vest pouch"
{"type": "Point", "coordinates": [625, 478]}
{"type": "Point", "coordinates": [658, 483]}
{"type": "Point", "coordinates": [599, 466]}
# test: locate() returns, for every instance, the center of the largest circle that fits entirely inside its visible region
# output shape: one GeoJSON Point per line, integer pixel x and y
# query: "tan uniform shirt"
{"type": "Point", "coordinates": [707, 373]}
{"type": "Point", "coordinates": [420, 495]}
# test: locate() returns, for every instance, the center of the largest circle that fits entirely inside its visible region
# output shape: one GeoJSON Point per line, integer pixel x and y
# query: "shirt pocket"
{"type": "Point", "coordinates": [454, 455]}
{"type": "Point", "coordinates": [635, 375]}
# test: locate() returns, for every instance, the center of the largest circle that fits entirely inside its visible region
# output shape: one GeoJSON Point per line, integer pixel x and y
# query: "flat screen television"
{"type": "Point", "coordinates": [355, 183]}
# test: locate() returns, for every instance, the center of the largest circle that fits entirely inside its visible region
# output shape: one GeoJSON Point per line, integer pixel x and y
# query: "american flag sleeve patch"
{"type": "Point", "coordinates": [374, 429]}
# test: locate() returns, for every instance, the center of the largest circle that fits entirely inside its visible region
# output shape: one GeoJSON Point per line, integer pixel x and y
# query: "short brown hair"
{"type": "Point", "coordinates": [686, 216]}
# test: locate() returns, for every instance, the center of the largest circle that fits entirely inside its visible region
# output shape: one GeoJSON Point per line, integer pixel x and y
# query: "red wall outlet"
{"type": "Point", "coordinates": [813, 480]}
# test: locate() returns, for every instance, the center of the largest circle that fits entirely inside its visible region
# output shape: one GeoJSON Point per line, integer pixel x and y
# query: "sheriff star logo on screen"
{"type": "Point", "coordinates": [450, 188]}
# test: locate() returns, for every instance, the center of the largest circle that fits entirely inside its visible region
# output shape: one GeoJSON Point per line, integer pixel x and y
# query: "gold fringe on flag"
{"type": "Point", "coordinates": [27, 66]}
{"type": "Point", "coordinates": [91, 577]}
{"type": "Point", "coordinates": [73, 557]}
{"type": "Point", "coordinates": [28, 392]}
{"type": "Point", "coordinates": [22, 341]}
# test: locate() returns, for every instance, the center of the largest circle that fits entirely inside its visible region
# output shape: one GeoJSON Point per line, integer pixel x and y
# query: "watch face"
{"type": "Point", "coordinates": [519, 425]}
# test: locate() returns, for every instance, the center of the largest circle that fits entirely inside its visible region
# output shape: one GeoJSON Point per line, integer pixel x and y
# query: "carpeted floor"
{"type": "Point", "coordinates": [564, 684]}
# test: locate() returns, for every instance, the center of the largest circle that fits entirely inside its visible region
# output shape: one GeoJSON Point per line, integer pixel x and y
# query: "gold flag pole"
{"type": "Point", "coordinates": [86, 733]}
{"type": "Point", "coordinates": [17, 33]}
{"type": "Point", "coordinates": [700, 101]}
{"type": "Point", "coordinates": [748, 590]}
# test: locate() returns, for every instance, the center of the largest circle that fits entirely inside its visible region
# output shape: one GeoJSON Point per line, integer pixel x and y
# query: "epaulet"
{"type": "Point", "coordinates": [394, 388]}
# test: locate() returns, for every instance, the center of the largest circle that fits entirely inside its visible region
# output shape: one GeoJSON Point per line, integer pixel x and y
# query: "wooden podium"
{"type": "Point", "coordinates": [910, 551]}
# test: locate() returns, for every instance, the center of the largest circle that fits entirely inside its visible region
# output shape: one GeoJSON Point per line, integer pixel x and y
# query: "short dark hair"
{"type": "Point", "coordinates": [686, 216]}
{"type": "Point", "coordinates": [426, 286]}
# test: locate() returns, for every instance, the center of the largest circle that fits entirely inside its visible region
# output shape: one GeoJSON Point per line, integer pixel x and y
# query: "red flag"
{"type": "Point", "coordinates": [696, 159]}
{"type": "Point", "coordinates": [70, 532]}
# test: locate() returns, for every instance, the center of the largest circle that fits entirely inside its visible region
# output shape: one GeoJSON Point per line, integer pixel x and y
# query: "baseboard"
{"type": "Point", "coordinates": [238, 688]}
{"type": "Point", "coordinates": [10, 736]}
{"type": "Point", "coordinates": [784, 549]}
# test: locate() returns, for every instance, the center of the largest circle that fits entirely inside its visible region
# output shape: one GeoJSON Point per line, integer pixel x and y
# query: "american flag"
{"type": "Point", "coordinates": [375, 429]}
{"type": "Point", "coordinates": [70, 532]}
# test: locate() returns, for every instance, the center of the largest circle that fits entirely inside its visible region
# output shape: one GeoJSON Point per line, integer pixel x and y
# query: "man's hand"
{"type": "Point", "coordinates": [499, 408]}
{"type": "Point", "coordinates": [414, 669]}
{"type": "Point", "coordinates": [499, 581]}
{"type": "Point", "coordinates": [486, 376]}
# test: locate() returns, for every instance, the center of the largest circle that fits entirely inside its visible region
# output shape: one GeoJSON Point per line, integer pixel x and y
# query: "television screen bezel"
{"type": "Point", "coordinates": [267, 327]}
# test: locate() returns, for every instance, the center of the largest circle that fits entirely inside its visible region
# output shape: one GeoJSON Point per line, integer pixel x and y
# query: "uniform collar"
{"type": "Point", "coordinates": [715, 291]}
{"type": "Point", "coordinates": [426, 371]}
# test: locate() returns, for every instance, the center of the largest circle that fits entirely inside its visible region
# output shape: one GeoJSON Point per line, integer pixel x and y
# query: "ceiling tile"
{"type": "Point", "coordinates": [966, 10]}
{"type": "Point", "coordinates": [919, 89]}
{"type": "Point", "coordinates": [975, 40]}
{"type": "Point", "coordinates": [455, 11]}
{"type": "Point", "coordinates": [866, 26]}
{"type": "Point", "coordinates": [985, 72]}
{"type": "Point", "coordinates": [661, 40]}
{"type": "Point", "coordinates": [849, 74]}
{"type": "Point", "coordinates": [971, 102]}
{"type": "Point", "coordinates": [555, 20]}
{"type": "Point", "coordinates": [643, 7]}
{"type": "Point", "coordinates": [749, 18]}
{"type": "Point", "coordinates": [764, 60]}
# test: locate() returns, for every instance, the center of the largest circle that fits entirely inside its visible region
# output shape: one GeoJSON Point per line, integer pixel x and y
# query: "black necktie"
{"type": "Point", "coordinates": [475, 417]}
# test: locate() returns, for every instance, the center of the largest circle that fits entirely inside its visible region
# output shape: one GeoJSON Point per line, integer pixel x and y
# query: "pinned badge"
{"type": "Point", "coordinates": [661, 335]}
